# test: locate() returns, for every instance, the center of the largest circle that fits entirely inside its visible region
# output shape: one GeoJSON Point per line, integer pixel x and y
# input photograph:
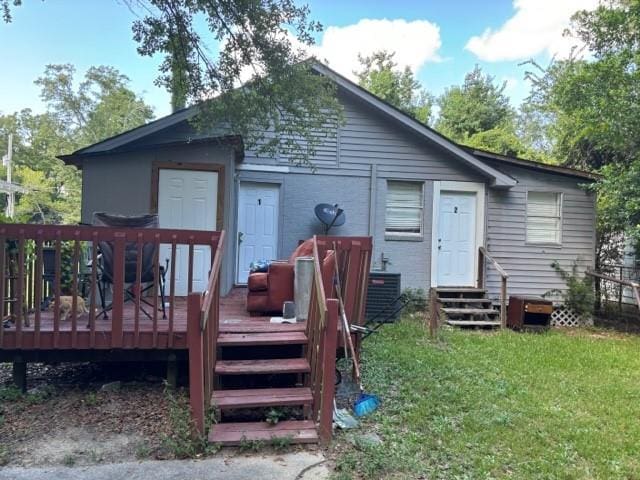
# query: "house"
{"type": "Point", "coordinates": [428, 203]}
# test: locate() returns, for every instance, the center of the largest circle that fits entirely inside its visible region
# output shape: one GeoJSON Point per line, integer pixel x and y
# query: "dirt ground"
{"type": "Point", "coordinates": [80, 414]}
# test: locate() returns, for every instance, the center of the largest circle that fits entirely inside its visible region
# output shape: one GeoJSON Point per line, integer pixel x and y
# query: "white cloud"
{"type": "Point", "coordinates": [536, 27]}
{"type": "Point", "coordinates": [415, 43]}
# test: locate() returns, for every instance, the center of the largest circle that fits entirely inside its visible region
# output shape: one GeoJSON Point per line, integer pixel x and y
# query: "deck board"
{"type": "Point", "coordinates": [233, 319]}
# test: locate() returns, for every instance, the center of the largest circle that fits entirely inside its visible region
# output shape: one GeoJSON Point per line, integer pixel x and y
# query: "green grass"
{"type": "Point", "coordinates": [498, 405]}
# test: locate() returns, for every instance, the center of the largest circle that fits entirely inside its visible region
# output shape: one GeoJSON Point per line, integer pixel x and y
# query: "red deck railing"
{"type": "Point", "coordinates": [23, 287]}
{"type": "Point", "coordinates": [203, 321]}
{"type": "Point", "coordinates": [354, 262]}
{"type": "Point", "coordinates": [322, 334]}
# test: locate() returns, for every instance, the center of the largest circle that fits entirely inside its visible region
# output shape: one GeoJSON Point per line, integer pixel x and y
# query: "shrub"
{"type": "Point", "coordinates": [415, 298]}
{"type": "Point", "coordinates": [579, 295]}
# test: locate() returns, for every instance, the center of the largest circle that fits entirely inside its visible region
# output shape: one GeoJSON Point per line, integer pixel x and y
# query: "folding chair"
{"type": "Point", "coordinates": [106, 262]}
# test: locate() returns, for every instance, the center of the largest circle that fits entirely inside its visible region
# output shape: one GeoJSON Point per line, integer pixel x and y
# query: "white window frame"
{"type": "Point", "coordinates": [405, 235]}
{"type": "Point", "coordinates": [560, 199]}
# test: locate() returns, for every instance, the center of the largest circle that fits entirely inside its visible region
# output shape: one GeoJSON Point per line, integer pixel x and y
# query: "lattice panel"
{"type": "Point", "coordinates": [562, 317]}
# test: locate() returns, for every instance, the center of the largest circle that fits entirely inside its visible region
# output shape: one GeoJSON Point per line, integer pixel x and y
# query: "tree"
{"type": "Point", "coordinates": [502, 139]}
{"type": "Point", "coordinates": [593, 108]}
{"type": "Point", "coordinates": [478, 114]}
{"type": "Point", "coordinates": [284, 106]}
{"type": "Point", "coordinates": [478, 105]}
{"type": "Point", "coordinates": [381, 76]}
{"type": "Point", "coordinates": [101, 106]}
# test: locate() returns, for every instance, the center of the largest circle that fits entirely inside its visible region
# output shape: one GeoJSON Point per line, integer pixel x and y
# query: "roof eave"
{"type": "Point", "coordinates": [524, 163]}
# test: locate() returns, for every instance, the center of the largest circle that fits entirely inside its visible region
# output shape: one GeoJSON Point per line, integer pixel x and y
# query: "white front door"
{"type": "Point", "coordinates": [187, 200]}
{"type": "Point", "coordinates": [257, 225]}
{"type": "Point", "coordinates": [456, 241]}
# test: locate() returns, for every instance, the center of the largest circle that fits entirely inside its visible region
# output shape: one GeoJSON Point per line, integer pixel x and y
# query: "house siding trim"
{"type": "Point", "coordinates": [452, 186]}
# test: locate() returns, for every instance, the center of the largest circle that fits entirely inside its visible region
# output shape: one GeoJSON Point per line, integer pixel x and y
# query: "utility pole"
{"type": "Point", "coordinates": [11, 199]}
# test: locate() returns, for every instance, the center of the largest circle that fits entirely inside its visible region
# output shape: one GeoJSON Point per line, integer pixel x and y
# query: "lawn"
{"type": "Point", "coordinates": [563, 404]}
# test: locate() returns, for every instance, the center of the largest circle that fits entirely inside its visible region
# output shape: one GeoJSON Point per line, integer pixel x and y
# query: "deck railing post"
{"type": "Point", "coordinates": [196, 363]}
{"type": "Point", "coordinates": [118, 290]}
{"type": "Point", "coordinates": [480, 268]}
{"type": "Point", "coordinates": [503, 302]}
{"type": "Point", "coordinates": [328, 371]}
{"type": "Point", "coordinates": [434, 312]}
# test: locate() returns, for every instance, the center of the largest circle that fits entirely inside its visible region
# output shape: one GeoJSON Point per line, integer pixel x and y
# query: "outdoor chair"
{"type": "Point", "coordinates": [267, 291]}
{"type": "Point", "coordinates": [106, 262]}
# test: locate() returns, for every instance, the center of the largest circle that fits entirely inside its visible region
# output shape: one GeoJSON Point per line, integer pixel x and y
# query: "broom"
{"type": "Point", "coordinates": [365, 403]}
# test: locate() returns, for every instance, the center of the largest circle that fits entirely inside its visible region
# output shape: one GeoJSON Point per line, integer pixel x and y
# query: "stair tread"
{"type": "Point", "coordinates": [464, 300]}
{"type": "Point", "coordinates": [297, 431]}
{"type": "Point", "coordinates": [250, 367]}
{"type": "Point", "coordinates": [261, 397]}
{"type": "Point", "coordinates": [470, 323]}
{"type": "Point", "coordinates": [266, 338]}
{"type": "Point", "coordinates": [471, 311]}
{"type": "Point", "coordinates": [460, 290]}
{"type": "Point", "coordinates": [260, 326]}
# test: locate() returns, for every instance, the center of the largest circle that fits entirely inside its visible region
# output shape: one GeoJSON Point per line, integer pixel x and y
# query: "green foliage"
{"type": "Point", "coordinates": [589, 107]}
{"type": "Point", "coordinates": [181, 442]}
{"type": "Point", "coordinates": [283, 108]}
{"type": "Point", "coordinates": [380, 75]}
{"type": "Point", "coordinates": [91, 399]}
{"type": "Point", "coordinates": [281, 444]}
{"type": "Point", "coordinates": [478, 105]}
{"type": "Point", "coordinates": [579, 295]}
{"type": "Point", "coordinates": [502, 139]}
{"type": "Point", "coordinates": [143, 451]}
{"type": "Point", "coordinates": [497, 405]}
{"type": "Point", "coordinates": [416, 299]}
{"type": "Point", "coordinates": [101, 106]}
{"type": "Point", "coordinates": [274, 415]}
{"type": "Point", "coordinates": [250, 446]}
{"type": "Point", "coordinates": [10, 394]}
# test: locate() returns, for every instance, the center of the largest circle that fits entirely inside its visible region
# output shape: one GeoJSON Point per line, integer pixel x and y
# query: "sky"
{"type": "Point", "coordinates": [440, 40]}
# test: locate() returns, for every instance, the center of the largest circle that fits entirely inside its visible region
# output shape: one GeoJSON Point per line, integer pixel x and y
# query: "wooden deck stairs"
{"type": "Point", "coordinates": [247, 387]}
{"type": "Point", "coordinates": [467, 307]}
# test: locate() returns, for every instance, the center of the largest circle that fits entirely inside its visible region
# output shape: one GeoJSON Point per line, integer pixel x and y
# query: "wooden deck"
{"type": "Point", "coordinates": [295, 362]}
{"type": "Point", "coordinates": [151, 335]}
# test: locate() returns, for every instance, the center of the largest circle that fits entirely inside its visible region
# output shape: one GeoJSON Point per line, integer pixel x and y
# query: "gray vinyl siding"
{"type": "Point", "coordinates": [529, 265]}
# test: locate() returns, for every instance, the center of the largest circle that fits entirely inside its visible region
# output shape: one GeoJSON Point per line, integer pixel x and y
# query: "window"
{"type": "Point", "coordinates": [404, 208]}
{"type": "Point", "coordinates": [544, 217]}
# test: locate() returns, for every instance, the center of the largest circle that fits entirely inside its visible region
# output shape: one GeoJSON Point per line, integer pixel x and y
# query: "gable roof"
{"type": "Point", "coordinates": [472, 158]}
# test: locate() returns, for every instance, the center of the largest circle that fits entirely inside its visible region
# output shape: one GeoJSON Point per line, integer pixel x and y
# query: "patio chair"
{"type": "Point", "coordinates": [267, 291]}
{"type": "Point", "coordinates": [106, 262]}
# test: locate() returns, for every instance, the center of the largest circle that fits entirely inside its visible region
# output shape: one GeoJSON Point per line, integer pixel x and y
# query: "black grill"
{"type": "Point", "coordinates": [383, 296]}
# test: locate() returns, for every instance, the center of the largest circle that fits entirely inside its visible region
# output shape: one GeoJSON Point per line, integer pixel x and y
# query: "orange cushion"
{"type": "Point", "coordinates": [258, 281]}
{"type": "Point", "coordinates": [305, 249]}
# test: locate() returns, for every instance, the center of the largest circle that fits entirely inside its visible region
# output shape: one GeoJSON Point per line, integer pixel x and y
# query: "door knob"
{"type": "Point", "coordinates": [240, 235]}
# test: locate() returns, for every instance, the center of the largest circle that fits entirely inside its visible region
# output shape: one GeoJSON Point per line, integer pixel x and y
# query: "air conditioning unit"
{"type": "Point", "coordinates": [383, 295]}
